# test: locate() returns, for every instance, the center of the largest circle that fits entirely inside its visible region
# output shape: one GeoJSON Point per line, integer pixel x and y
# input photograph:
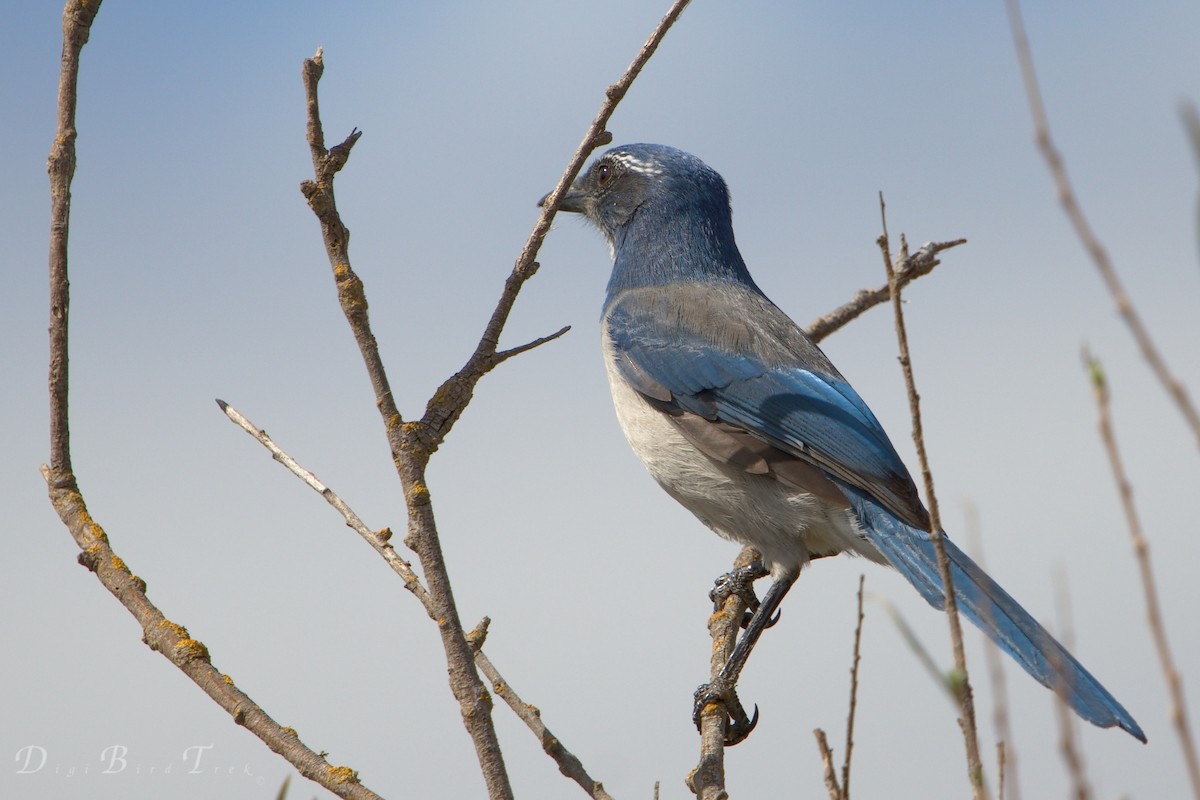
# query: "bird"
{"type": "Point", "coordinates": [744, 421]}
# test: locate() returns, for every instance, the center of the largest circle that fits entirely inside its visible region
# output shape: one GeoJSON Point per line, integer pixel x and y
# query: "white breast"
{"type": "Point", "coordinates": [784, 525]}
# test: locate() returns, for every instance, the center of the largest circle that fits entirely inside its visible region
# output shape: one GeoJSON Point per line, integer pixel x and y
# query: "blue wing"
{"type": "Point", "coordinates": [726, 355]}
{"type": "Point", "coordinates": [755, 370]}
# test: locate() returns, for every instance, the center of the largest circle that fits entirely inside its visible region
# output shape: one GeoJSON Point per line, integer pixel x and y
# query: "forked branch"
{"type": "Point", "coordinates": [412, 443]}
{"type": "Point", "coordinates": [966, 697]}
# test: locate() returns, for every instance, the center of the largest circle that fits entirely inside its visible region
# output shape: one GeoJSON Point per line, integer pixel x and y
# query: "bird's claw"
{"type": "Point", "coordinates": [738, 724]}
{"type": "Point", "coordinates": [739, 582]}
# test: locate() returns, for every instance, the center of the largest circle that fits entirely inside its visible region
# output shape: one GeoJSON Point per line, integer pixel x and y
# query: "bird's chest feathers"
{"type": "Point", "coordinates": [655, 440]}
{"type": "Point", "coordinates": [783, 524]}
{"type": "Point", "coordinates": [686, 473]}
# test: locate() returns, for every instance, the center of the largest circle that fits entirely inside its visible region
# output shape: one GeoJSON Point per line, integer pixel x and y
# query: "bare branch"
{"type": "Point", "coordinates": [412, 444]}
{"type": "Point", "coordinates": [1070, 205]}
{"type": "Point", "coordinates": [188, 654]}
{"type": "Point", "coordinates": [914, 644]}
{"type": "Point", "coordinates": [409, 453]}
{"type": "Point", "coordinates": [77, 27]}
{"type": "Point", "coordinates": [455, 393]}
{"type": "Point", "coordinates": [1141, 549]}
{"type": "Point", "coordinates": [1068, 734]}
{"type": "Point", "coordinates": [920, 264]}
{"type": "Point", "coordinates": [974, 763]}
{"type": "Point", "coordinates": [707, 779]}
{"type": "Point", "coordinates": [161, 634]}
{"type": "Point", "coordinates": [1000, 769]}
{"type": "Point", "coordinates": [853, 692]}
{"type": "Point", "coordinates": [831, 781]}
{"type": "Point", "coordinates": [378, 539]}
{"type": "Point", "coordinates": [504, 355]}
{"type": "Point", "coordinates": [995, 668]}
{"type": "Point", "coordinates": [568, 764]}
{"type": "Point", "coordinates": [1191, 126]}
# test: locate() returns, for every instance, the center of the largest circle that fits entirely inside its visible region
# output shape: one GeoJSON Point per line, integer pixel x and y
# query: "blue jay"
{"type": "Point", "coordinates": [741, 418]}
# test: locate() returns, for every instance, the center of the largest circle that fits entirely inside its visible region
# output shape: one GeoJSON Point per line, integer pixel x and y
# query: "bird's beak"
{"type": "Point", "coordinates": [572, 201]}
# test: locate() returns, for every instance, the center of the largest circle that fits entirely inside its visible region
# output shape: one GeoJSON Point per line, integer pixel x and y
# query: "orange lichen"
{"type": "Point", "coordinates": [189, 649]}
{"type": "Point", "coordinates": [178, 631]}
{"type": "Point", "coordinates": [343, 775]}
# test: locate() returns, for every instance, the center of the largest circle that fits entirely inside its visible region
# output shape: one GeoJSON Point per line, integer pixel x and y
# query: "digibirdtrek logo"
{"type": "Point", "coordinates": [118, 759]}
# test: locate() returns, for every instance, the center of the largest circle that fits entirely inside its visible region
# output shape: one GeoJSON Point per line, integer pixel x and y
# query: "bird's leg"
{"type": "Point", "coordinates": [740, 582]}
{"type": "Point", "coordinates": [722, 688]}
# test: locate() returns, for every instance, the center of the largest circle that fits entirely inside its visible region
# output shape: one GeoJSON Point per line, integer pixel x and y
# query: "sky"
{"type": "Point", "coordinates": [197, 272]}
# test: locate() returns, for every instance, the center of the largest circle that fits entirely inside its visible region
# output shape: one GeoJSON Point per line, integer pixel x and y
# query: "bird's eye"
{"type": "Point", "coordinates": [603, 173]}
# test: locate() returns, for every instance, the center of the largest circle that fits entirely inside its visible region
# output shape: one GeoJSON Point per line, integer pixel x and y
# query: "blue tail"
{"type": "Point", "coordinates": [993, 611]}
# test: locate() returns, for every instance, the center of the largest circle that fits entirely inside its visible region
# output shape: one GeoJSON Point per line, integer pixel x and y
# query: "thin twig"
{"type": "Point", "coordinates": [1191, 126]}
{"type": "Point", "coordinates": [831, 781]}
{"type": "Point", "coordinates": [974, 763]}
{"type": "Point", "coordinates": [922, 653]}
{"type": "Point", "coordinates": [172, 640]}
{"type": "Point", "coordinates": [1070, 205]}
{"type": "Point", "coordinates": [921, 264]}
{"type": "Point", "coordinates": [1068, 739]}
{"type": "Point", "coordinates": [504, 355]}
{"type": "Point", "coordinates": [378, 539]}
{"type": "Point", "coordinates": [1141, 549]}
{"type": "Point", "coordinates": [995, 668]}
{"type": "Point", "coordinates": [454, 394]}
{"type": "Point", "coordinates": [853, 692]}
{"type": "Point", "coordinates": [1067, 723]}
{"type": "Point", "coordinates": [568, 764]}
{"type": "Point", "coordinates": [1000, 768]}
{"type": "Point", "coordinates": [915, 644]}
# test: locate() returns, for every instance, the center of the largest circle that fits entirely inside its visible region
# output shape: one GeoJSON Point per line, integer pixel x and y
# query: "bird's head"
{"type": "Point", "coordinates": [662, 181]}
{"type": "Point", "coordinates": [665, 214]}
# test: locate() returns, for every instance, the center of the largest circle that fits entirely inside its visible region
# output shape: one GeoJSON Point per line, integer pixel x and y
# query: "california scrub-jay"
{"type": "Point", "coordinates": [741, 418]}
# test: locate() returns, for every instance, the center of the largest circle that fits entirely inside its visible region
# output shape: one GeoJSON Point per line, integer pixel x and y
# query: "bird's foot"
{"type": "Point", "coordinates": [740, 582]}
{"type": "Point", "coordinates": [738, 724]}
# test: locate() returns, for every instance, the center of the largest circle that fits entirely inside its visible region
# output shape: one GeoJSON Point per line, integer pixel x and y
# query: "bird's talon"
{"type": "Point", "coordinates": [702, 697]}
{"type": "Point", "coordinates": [737, 725]}
{"type": "Point", "coordinates": [737, 731]}
{"type": "Point", "coordinates": [738, 582]}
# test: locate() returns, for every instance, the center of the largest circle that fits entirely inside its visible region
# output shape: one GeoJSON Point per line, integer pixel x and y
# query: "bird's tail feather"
{"type": "Point", "coordinates": [993, 611]}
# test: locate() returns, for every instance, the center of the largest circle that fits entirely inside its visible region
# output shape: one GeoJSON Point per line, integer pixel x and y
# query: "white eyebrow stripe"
{"type": "Point", "coordinates": [635, 164]}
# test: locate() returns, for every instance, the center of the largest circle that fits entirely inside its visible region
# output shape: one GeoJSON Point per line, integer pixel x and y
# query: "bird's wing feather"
{"type": "Point", "coordinates": [729, 356]}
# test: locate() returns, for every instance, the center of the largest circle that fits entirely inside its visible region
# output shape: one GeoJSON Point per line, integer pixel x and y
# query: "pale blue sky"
{"type": "Point", "coordinates": [197, 272]}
